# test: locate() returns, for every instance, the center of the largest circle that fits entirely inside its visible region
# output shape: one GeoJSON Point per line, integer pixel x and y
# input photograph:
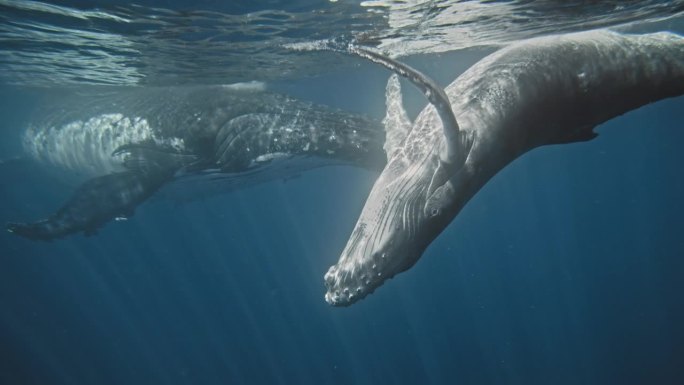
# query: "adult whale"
{"type": "Point", "coordinates": [547, 90]}
{"type": "Point", "coordinates": [134, 142]}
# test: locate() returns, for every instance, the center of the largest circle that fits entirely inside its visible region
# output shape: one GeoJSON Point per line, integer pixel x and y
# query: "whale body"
{"type": "Point", "coordinates": [133, 142]}
{"type": "Point", "coordinates": [547, 90]}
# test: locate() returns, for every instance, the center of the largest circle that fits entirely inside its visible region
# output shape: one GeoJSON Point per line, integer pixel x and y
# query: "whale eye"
{"type": "Point", "coordinates": [432, 211]}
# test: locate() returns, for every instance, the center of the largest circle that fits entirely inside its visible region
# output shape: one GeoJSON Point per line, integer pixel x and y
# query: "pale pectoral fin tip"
{"type": "Point", "coordinates": [396, 121]}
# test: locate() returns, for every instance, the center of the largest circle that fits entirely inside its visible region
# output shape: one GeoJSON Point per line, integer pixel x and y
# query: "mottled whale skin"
{"type": "Point", "coordinates": [547, 90]}
{"type": "Point", "coordinates": [133, 142]}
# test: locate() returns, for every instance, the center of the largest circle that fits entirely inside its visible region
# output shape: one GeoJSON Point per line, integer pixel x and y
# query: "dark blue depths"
{"type": "Point", "coordinates": [567, 268]}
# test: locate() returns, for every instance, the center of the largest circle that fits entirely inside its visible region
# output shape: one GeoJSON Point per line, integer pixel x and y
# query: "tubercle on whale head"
{"type": "Point", "coordinates": [345, 288]}
{"type": "Point", "coordinates": [358, 274]}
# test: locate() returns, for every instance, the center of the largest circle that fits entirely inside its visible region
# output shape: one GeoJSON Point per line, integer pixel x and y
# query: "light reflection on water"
{"type": "Point", "coordinates": [121, 44]}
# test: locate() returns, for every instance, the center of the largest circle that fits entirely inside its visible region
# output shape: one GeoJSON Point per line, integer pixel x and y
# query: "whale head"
{"type": "Point", "coordinates": [411, 202]}
{"type": "Point", "coordinates": [400, 219]}
{"type": "Point", "coordinates": [413, 199]}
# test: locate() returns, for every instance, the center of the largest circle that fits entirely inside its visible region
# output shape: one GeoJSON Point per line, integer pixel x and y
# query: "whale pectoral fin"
{"type": "Point", "coordinates": [95, 202]}
{"type": "Point", "coordinates": [101, 199]}
{"type": "Point", "coordinates": [446, 171]}
{"type": "Point", "coordinates": [453, 152]}
{"type": "Point", "coordinates": [37, 230]}
{"type": "Point", "coordinates": [396, 121]}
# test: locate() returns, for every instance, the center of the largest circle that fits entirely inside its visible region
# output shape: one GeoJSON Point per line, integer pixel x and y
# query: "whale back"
{"type": "Point", "coordinates": [554, 90]}
{"type": "Point", "coordinates": [80, 132]}
{"type": "Point", "coordinates": [217, 123]}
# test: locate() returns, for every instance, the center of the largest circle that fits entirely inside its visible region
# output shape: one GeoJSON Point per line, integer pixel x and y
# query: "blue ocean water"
{"type": "Point", "coordinates": [565, 269]}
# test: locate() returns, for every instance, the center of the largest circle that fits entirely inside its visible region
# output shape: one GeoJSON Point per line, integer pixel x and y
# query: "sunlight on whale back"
{"type": "Point", "coordinates": [87, 145]}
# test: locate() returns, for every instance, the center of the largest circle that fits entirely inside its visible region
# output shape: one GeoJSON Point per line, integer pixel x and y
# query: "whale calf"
{"type": "Point", "coordinates": [133, 142]}
{"type": "Point", "coordinates": [546, 90]}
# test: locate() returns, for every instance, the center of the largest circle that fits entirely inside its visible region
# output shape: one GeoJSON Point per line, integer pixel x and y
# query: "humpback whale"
{"type": "Point", "coordinates": [134, 142]}
{"type": "Point", "coordinates": [546, 90]}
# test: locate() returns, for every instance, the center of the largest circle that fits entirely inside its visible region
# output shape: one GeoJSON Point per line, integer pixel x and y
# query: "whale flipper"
{"type": "Point", "coordinates": [95, 202]}
{"type": "Point", "coordinates": [396, 121]}
{"type": "Point", "coordinates": [104, 198]}
{"type": "Point", "coordinates": [457, 142]}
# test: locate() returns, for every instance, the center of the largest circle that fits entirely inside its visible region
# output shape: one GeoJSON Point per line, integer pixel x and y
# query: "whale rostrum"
{"type": "Point", "coordinates": [546, 90]}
